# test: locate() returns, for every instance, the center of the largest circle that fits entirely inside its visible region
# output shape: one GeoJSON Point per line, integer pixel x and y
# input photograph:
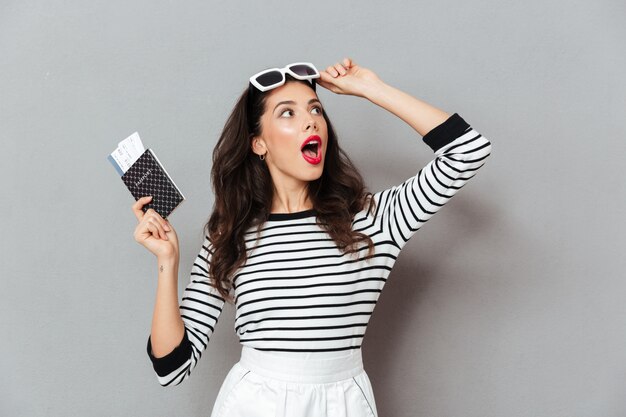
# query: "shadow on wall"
{"type": "Point", "coordinates": [416, 276]}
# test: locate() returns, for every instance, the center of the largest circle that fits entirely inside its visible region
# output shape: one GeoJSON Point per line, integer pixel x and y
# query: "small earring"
{"type": "Point", "coordinates": [262, 157]}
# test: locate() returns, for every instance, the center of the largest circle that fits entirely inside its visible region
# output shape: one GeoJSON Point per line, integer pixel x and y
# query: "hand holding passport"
{"type": "Point", "coordinates": [144, 175]}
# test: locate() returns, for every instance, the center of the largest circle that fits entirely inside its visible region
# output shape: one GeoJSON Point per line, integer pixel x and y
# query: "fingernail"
{"type": "Point", "coordinates": [166, 227]}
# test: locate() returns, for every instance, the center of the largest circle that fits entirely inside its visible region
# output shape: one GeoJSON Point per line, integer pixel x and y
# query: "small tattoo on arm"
{"type": "Point", "coordinates": [161, 268]}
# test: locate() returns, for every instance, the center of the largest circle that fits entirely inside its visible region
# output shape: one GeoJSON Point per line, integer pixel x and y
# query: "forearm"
{"type": "Point", "coordinates": [167, 325]}
{"type": "Point", "coordinates": [420, 115]}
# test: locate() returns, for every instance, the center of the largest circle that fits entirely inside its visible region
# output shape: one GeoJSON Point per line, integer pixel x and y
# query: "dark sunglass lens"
{"type": "Point", "coordinates": [269, 78]}
{"type": "Point", "coordinates": [302, 70]}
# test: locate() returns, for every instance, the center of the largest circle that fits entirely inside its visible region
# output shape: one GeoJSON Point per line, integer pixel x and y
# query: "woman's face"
{"type": "Point", "coordinates": [293, 116]}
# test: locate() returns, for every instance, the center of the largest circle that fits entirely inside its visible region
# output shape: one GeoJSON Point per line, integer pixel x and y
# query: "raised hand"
{"type": "Point", "coordinates": [154, 232]}
{"type": "Point", "coordinates": [346, 77]}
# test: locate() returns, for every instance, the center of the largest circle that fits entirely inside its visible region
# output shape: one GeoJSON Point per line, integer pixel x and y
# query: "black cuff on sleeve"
{"type": "Point", "coordinates": [173, 360]}
{"type": "Point", "coordinates": [444, 133]}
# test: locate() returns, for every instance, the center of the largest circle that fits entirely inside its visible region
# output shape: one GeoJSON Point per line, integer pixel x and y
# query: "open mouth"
{"type": "Point", "coordinates": [312, 150]}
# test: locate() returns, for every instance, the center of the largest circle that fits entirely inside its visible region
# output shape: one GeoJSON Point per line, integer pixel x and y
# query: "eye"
{"type": "Point", "coordinates": [285, 111]}
{"type": "Point", "coordinates": [318, 108]}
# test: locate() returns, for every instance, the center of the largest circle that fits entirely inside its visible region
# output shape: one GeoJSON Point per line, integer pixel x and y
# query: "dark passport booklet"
{"type": "Point", "coordinates": [147, 176]}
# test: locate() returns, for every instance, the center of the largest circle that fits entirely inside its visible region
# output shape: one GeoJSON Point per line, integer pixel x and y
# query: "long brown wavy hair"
{"type": "Point", "coordinates": [243, 190]}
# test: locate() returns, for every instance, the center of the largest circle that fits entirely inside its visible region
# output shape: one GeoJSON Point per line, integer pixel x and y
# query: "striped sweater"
{"type": "Point", "coordinates": [298, 294]}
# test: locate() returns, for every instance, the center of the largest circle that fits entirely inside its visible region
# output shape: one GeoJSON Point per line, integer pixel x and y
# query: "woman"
{"type": "Point", "coordinates": [297, 244]}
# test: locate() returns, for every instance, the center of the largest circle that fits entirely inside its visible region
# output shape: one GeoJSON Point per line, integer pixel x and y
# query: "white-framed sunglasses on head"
{"type": "Point", "coordinates": [275, 77]}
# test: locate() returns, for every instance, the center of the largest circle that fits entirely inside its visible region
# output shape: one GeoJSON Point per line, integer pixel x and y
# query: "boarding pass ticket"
{"type": "Point", "coordinates": [126, 153]}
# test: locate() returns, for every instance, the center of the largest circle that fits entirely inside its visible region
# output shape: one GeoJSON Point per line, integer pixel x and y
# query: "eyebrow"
{"type": "Point", "coordinates": [313, 100]}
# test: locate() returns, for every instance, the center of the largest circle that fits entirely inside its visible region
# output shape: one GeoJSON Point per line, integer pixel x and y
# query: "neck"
{"type": "Point", "coordinates": [291, 198]}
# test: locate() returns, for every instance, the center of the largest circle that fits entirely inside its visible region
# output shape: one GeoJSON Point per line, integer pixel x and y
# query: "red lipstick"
{"type": "Point", "coordinates": [311, 149]}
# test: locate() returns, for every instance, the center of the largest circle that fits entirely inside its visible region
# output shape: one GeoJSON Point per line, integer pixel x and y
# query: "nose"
{"type": "Point", "coordinates": [310, 123]}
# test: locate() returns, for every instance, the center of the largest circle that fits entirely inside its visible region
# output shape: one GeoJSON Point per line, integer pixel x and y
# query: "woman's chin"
{"type": "Point", "coordinates": [315, 174]}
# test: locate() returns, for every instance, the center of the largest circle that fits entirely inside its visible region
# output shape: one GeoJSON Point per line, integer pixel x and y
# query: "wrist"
{"type": "Point", "coordinates": [376, 91]}
{"type": "Point", "coordinates": [169, 261]}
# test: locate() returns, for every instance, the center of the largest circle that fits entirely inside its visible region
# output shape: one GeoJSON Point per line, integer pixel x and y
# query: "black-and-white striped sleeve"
{"type": "Point", "coordinates": [459, 152]}
{"type": "Point", "coordinates": [200, 309]}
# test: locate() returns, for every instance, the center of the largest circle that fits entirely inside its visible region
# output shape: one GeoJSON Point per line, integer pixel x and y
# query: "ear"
{"type": "Point", "coordinates": [258, 145]}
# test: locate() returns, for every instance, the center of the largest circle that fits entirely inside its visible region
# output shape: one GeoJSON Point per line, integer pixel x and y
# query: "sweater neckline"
{"type": "Point", "coordinates": [292, 216]}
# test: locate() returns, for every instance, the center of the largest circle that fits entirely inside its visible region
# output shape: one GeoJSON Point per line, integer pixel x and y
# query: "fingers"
{"type": "Point", "coordinates": [340, 68]}
{"type": "Point", "coordinates": [326, 80]}
{"type": "Point", "coordinates": [139, 204]}
{"type": "Point", "coordinates": [336, 70]}
{"type": "Point", "coordinates": [151, 219]}
{"type": "Point", "coordinates": [330, 77]}
{"type": "Point", "coordinates": [156, 228]}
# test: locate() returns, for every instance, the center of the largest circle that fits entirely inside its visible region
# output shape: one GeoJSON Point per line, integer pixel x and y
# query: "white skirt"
{"type": "Point", "coordinates": [273, 384]}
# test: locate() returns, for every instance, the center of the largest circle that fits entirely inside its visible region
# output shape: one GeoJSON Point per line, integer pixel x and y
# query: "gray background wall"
{"type": "Point", "coordinates": [510, 302]}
